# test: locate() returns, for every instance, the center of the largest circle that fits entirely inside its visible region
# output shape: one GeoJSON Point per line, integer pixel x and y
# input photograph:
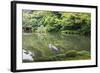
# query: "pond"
{"type": "Point", "coordinates": [72, 44]}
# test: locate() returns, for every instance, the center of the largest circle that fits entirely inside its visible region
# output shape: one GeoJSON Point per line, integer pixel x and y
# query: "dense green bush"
{"type": "Point", "coordinates": [83, 53]}
{"type": "Point", "coordinates": [54, 21]}
{"type": "Point", "coordinates": [71, 53]}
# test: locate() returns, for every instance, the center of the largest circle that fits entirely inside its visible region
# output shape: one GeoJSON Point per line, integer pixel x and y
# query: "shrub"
{"type": "Point", "coordinates": [51, 58]}
{"type": "Point", "coordinates": [60, 55]}
{"type": "Point", "coordinates": [71, 53]}
{"type": "Point", "coordinates": [83, 53]}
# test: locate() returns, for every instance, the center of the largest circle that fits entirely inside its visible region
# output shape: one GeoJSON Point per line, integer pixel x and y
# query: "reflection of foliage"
{"type": "Point", "coordinates": [70, 47]}
{"type": "Point", "coordinates": [58, 21]}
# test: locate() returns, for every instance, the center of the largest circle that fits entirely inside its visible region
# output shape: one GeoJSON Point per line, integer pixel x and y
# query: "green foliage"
{"type": "Point", "coordinates": [62, 23]}
{"type": "Point", "coordinates": [83, 53]}
{"type": "Point", "coordinates": [71, 53]}
{"type": "Point", "coordinates": [54, 21]}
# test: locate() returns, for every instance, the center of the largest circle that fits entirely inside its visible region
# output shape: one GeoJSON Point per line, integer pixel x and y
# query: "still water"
{"type": "Point", "coordinates": [39, 42]}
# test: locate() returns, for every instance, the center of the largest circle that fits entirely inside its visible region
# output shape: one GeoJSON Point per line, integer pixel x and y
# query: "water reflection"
{"type": "Point", "coordinates": [38, 43]}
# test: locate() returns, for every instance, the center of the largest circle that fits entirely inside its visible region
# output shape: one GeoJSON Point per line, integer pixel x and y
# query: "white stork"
{"type": "Point", "coordinates": [53, 48]}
